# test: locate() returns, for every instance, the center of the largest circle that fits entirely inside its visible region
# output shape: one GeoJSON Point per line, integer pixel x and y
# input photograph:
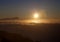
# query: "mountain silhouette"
{"type": "Point", "coordinates": [13, 18]}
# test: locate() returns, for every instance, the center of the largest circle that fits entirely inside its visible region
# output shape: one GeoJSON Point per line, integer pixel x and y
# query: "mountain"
{"type": "Point", "coordinates": [13, 18]}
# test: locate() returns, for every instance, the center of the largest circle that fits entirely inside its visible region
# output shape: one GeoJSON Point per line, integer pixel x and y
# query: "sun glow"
{"type": "Point", "coordinates": [35, 16]}
{"type": "Point", "coordinates": [35, 19]}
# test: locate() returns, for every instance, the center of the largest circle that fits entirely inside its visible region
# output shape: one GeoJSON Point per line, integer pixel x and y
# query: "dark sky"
{"type": "Point", "coordinates": [23, 8]}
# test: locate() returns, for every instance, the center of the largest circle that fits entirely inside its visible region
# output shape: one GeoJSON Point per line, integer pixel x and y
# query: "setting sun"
{"type": "Point", "coordinates": [36, 16]}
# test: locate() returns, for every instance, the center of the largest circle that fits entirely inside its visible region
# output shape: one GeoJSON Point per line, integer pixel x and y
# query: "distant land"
{"type": "Point", "coordinates": [13, 18]}
{"type": "Point", "coordinates": [18, 20]}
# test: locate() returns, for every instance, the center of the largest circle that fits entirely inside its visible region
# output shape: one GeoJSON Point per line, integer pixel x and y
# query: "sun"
{"type": "Point", "coordinates": [35, 16]}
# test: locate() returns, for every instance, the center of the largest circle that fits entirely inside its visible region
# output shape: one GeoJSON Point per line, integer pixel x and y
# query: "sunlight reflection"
{"type": "Point", "coordinates": [30, 22]}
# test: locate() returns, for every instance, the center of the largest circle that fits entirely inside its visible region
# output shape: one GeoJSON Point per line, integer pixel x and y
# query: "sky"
{"type": "Point", "coordinates": [24, 8]}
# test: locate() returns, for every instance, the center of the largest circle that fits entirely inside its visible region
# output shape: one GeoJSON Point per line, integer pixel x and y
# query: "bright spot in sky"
{"type": "Point", "coordinates": [36, 16]}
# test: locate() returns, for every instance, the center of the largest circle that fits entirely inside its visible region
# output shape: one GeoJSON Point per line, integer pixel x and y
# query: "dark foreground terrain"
{"type": "Point", "coordinates": [29, 33]}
